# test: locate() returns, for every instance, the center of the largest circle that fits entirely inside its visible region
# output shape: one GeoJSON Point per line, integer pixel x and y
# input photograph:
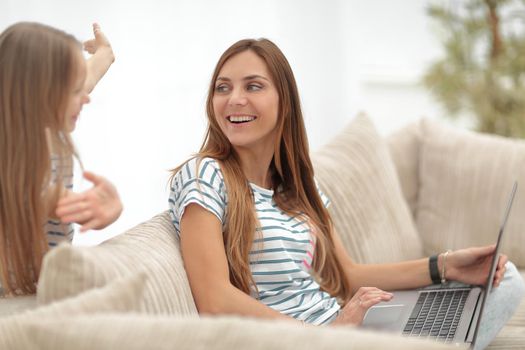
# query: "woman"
{"type": "Point", "coordinates": [256, 237]}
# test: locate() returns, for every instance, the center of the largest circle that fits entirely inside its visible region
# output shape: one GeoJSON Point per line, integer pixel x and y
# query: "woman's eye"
{"type": "Point", "coordinates": [221, 88]}
{"type": "Point", "coordinates": [254, 87]}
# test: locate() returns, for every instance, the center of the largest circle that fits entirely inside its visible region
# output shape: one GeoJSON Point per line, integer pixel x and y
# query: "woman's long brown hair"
{"type": "Point", "coordinates": [293, 182]}
{"type": "Point", "coordinates": [37, 68]}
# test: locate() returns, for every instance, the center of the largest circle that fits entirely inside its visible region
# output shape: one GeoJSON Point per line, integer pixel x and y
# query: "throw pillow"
{"type": "Point", "coordinates": [466, 179]}
{"type": "Point", "coordinates": [356, 172]}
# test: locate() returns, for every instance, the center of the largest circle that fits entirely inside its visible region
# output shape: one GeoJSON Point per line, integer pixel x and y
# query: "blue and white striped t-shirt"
{"type": "Point", "coordinates": [56, 231]}
{"type": "Point", "coordinates": [283, 247]}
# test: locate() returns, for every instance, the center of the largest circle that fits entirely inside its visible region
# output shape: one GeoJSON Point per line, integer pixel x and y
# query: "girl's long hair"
{"type": "Point", "coordinates": [37, 69]}
{"type": "Point", "coordinates": [293, 182]}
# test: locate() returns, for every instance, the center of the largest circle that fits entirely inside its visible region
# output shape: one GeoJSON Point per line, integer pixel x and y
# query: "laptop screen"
{"type": "Point", "coordinates": [495, 258]}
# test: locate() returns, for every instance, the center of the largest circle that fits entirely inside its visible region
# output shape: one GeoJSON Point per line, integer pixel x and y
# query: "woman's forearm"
{"type": "Point", "coordinates": [394, 276]}
{"type": "Point", "coordinates": [227, 299]}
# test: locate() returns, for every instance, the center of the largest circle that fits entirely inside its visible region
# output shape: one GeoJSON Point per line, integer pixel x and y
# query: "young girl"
{"type": "Point", "coordinates": [256, 237]}
{"type": "Point", "coordinates": [44, 82]}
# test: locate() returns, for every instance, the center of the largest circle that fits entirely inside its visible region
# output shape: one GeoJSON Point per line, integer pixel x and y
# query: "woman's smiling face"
{"type": "Point", "coordinates": [246, 102]}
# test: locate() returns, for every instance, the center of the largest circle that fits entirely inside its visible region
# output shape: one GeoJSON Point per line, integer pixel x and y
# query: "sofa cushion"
{"type": "Point", "coordinates": [356, 172]}
{"type": "Point", "coordinates": [162, 332]}
{"type": "Point", "coordinates": [9, 306]}
{"type": "Point", "coordinates": [466, 179]}
{"type": "Point", "coordinates": [150, 246]}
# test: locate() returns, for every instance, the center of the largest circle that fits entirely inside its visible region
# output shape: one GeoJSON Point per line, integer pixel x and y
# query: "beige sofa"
{"type": "Point", "coordinates": [424, 189]}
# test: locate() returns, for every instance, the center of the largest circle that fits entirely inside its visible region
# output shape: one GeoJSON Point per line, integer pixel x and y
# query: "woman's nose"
{"type": "Point", "coordinates": [86, 99]}
{"type": "Point", "coordinates": [238, 98]}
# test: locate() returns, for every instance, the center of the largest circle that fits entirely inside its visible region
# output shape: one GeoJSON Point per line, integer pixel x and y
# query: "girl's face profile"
{"type": "Point", "coordinates": [246, 102]}
{"type": "Point", "coordinates": [77, 95]}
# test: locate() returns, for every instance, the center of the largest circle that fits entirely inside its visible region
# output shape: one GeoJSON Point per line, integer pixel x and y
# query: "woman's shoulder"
{"type": "Point", "coordinates": [202, 169]}
{"type": "Point", "coordinates": [199, 181]}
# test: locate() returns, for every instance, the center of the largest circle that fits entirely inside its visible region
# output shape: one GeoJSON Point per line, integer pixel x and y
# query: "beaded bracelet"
{"type": "Point", "coordinates": [443, 269]}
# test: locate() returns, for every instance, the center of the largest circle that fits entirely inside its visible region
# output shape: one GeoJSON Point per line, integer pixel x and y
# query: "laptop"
{"type": "Point", "coordinates": [445, 313]}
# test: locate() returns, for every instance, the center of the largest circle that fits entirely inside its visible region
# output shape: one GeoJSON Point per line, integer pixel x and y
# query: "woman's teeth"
{"type": "Point", "coordinates": [240, 119]}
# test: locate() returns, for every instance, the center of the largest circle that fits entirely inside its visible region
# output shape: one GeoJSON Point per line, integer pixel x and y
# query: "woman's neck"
{"type": "Point", "coordinates": [256, 166]}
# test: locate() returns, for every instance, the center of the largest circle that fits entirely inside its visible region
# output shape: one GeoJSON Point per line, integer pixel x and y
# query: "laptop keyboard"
{"type": "Point", "coordinates": [437, 314]}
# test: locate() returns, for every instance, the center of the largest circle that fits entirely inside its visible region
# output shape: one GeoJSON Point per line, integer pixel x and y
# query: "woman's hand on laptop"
{"type": "Point", "coordinates": [472, 265]}
{"type": "Point", "coordinates": [354, 311]}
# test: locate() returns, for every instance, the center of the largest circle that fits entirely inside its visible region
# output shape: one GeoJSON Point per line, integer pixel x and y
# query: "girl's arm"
{"type": "Point", "coordinates": [469, 265]}
{"type": "Point", "coordinates": [101, 60]}
{"type": "Point", "coordinates": [202, 247]}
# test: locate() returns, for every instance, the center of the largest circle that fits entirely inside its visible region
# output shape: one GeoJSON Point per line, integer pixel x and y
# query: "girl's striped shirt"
{"type": "Point", "coordinates": [57, 231]}
{"type": "Point", "coordinates": [283, 248]}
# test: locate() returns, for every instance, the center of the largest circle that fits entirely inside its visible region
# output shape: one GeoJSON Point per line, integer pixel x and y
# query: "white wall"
{"type": "Point", "coordinates": [147, 114]}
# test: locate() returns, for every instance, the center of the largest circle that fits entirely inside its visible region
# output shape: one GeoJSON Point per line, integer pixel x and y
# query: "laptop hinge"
{"type": "Point", "coordinates": [474, 321]}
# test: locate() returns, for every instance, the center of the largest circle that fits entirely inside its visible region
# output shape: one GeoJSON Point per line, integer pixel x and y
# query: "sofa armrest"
{"type": "Point", "coordinates": [131, 332]}
{"type": "Point", "coordinates": [151, 247]}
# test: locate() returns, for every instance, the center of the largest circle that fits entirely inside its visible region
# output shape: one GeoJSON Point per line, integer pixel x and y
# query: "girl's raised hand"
{"type": "Point", "coordinates": [100, 61]}
{"type": "Point", "coordinates": [100, 40]}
